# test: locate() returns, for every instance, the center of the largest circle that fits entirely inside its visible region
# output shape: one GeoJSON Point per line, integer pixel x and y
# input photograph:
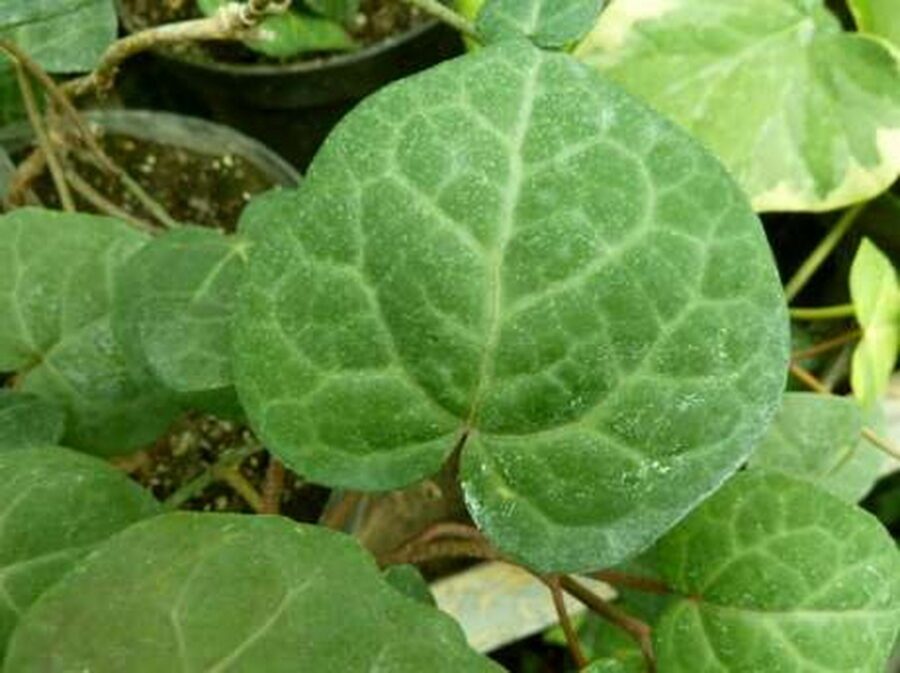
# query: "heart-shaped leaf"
{"type": "Point", "coordinates": [818, 438]}
{"type": "Point", "coordinates": [56, 286]}
{"type": "Point", "coordinates": [64, 36]}
{"type": "Point", "coordinates": [214, 592]}
{"type": "Point", "coordinates": [778, 575]}
{"type": "Point", "coordinates": [174, 304]}
{"type": "Point", "coordinates": [55, 505]}
{"type": "Point", "coordinates": [806, 116]}
{"type": "Point", "coordinates": [876, 301]}
{"type": "Point", "coordinates": [878, 17]}
{"type": "Point", "coordinates": [27, 420]}
{"type": "Point", "coordinates": [547, 23]}
{"type": "Point", "coordinates": [510, 255]}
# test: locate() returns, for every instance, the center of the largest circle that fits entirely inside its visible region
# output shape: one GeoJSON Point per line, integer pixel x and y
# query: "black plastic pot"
{"type": "Point", "coordinates": [292, 106]}
{"type": "Point", "coordinates": [197, 136]}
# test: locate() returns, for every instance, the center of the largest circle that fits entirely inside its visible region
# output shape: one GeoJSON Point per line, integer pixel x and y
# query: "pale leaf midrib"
{"type": "Point", "coordinates": [505, 233]}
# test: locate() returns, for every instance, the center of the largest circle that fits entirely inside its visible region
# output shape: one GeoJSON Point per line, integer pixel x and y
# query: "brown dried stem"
{"type": "Point", "coordinates": [43, 139]}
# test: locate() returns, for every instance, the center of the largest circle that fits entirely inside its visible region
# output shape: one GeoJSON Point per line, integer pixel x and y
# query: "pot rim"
{"type": "Point", "coordinates": [297, 67]}
{"type": "Point", "coordinates": [137, 123]}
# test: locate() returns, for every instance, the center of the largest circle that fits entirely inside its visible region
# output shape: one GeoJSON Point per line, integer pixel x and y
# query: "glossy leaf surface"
{"type": "Point", "coordinates": [778, 576]}
{"type": "Point", "coordinates": [509, 253]}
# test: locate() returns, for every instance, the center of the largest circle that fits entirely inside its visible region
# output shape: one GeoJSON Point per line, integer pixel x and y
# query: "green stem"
{"type": "Point", "coordinates": [448, 16]}
{"type": "Point", "coordinates": [823, 313]}
{"type": "Point", "coordinates": [822, 251]}
{"type": "Point", "coordinates": [210, 475]}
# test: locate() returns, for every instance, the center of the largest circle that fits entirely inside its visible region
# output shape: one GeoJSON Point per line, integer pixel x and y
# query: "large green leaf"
{"type": "Point", "coordinates": [207, 593]}
{"type": "Point", "coordinates": [56, 286]}
{"type": "Point", "coordinates": [879, 17]}
{"type": "Point", "coordinates": [807, 117]}
{"type": "Point", "coordinates": [509, 254]}
{"type": "Point", "coordinates": [818, 438]}
{"type": "Point", "coordinates": [64, 36]}
{"type": "Point", "coordinates": [55, 506]}
{"type": "Point", "coordinates": [27, 420]}
{"type": "Point", "coordinates": [778, 576]}
{"type": "Point", "coordinates": [173, 307]}
{"type": "Point", "coordinates": [548, 23]}
{"type": "Point", "coordinates": [876, 300]}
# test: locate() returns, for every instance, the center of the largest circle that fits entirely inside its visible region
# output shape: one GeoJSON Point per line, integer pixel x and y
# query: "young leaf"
{"type": "Point", "coordinates": [547, 23]}
{"type": "Point", "coordinates": [216, 592]}
{"type": "Point", "coordinates": [56, 505]}
{"type": "Point", "coordinates": [878, 17]}
{"type": "Point", "coordinates": [807, 117]}
{"type": "Point", "coordinates": [27, 420]}
{"type": "Point", "coordinates": [64, 36]}
{"type": "Point", "coordinates": [818, 438]}
{"type": "Point", "coordinates": [173, 307]}
{"type": "Point", "coordinates": [876, 300]}
{"type": "Point", "coordinates": [777, 575]}
{"type": "Point", "coordinates": [291, 33]}
{"type": "Point", "coordinates": [508, 254]}
{"type": "Point", "coordinates": [56, 272]}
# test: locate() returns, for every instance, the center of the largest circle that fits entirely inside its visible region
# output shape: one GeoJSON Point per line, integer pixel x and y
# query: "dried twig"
{"type": "Point", "coordinates": [101, 203]}
{"type": "Point", "coordinates": [232, 22]}
{"type": "Point", "coordinates": [827, 345]}
{"type": "Point", "coordinates": [43, 139]}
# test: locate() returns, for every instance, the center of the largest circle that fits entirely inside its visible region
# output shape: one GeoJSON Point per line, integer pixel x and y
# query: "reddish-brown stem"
{"type": "Point", "coordinates": [645, 584]}
{"type": "Point", "coordinates": [273, 487]}
{"type": "Point", "coordinates": [565, 622]}
{"type": "Point", "coordinates": [825, 346]}
{"type": "Point", "coordinates": [806, 377]}
{"type": "Point", "coordinates": [449, 529]}
{"type": "Point", "coordinates": [339, 514]}
{"type": "Point", "coordinates": [439, 549]}
{"type": "Point", "coordinates": [634, 627]}
{"type": "Point", "coordinates": [43, 137]}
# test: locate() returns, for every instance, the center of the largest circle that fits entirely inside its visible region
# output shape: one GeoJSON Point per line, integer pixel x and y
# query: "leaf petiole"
{"type": "Point", "coordinates": [823, 313]}
{"type": "Point", "coordinates": [821, 252]}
